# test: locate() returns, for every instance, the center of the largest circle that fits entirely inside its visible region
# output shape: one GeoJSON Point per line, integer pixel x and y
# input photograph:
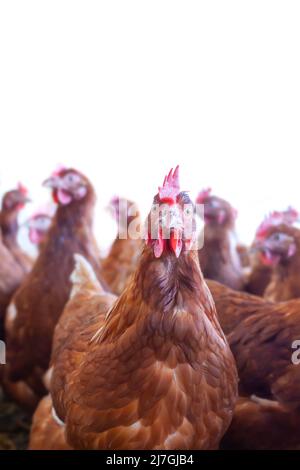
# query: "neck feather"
{"type": "Point", "coordinates": [166, 281]}
{"type": "Point", "coordinates": [9, 226]}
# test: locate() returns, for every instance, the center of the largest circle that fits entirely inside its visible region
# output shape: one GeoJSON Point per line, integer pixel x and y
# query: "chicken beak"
{"type": "Point", "coordinates": [172, 227]}
{"type": "Point", "coordinates": [176, 242]}
{"type": "Point", "coordinates": [256, 247]}
{"type": "Point", "coordinates": [24, 199]}
{"type": "Point", "coordinates": [53, 182]}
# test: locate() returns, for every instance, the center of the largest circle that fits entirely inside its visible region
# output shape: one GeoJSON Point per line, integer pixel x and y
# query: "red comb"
{"type": "Point", "coordinates": [170, 188]}
{"type": "Point", "coordinates": [291, 215]}
{"type": "Point", "coordinates": [114, 200]}
{"type": "Point", "coordinates": [58, 170]}
{"type": "Point", "coordinates": [22, 189]}
{"type": "Point", "coordinates": [203, 195]}
{"type": "Point", "coordinates": [287, 217]}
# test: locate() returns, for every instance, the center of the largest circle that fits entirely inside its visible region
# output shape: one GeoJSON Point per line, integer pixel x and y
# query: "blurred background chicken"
{"type": "Point", "coordinates": [280, 251]}
{"type": "Point", "coordinates": [12, 203]}
{"type": "Point", "coordinates": [11, 275]}
{"type": "Point", "coordinates": [38, 303]}
{"type": "Point", "coordinates": [259, 274]}
{"type": "Point", "coordinates": [262, 425]}
{"type": "Point", "coordinates": [123, 255]}
{"type": "Point", "coordinates": [262, 336]}
{"type": "Point", "coordinates": [219, 257]}
{"type": "Point", "coordinates": [38, 225]}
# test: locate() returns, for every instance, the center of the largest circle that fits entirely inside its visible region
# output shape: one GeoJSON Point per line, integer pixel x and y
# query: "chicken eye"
{"type": "Point", "coordinates": [188, 211]}
{"type": "Point", "coordinates": [277, 237]}
{"type": "Point", "coordinates": [71, 178]}
{"type": "Point", "coordinates": [164, 212]}
{"type": "Point", "coordinates": [43, 222]}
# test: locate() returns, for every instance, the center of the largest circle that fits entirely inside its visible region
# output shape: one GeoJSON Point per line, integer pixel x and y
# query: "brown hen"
{"type": "Point", "coordinates": [39, 302]}
{"type": "Point", "coordinates": [262, 336]}
{"type": "Point", "coordinates": [122, 258]}
{"type": "Point", "coordinates": [261, 271]}
{"type": "Point", "coordinates": [262, 425]}
{"type": "Point", "coordinates": [12, 202]}
{"type": "Point", "coordinates": [159, 374]}
{"type": "Point", "coordinates": [219, 258]}
{"type": "Point", "coordinates": [280, 250]}
{"type": "Point", "coordinates": [11, 275]}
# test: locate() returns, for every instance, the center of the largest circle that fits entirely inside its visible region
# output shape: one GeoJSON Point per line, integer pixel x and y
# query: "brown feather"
{"type": "Point", "coordinates": [261, 334]}
{"type": "Point", "coordinates": [160, 375]}
{"type": "Point", "coordinates": [40, 300]}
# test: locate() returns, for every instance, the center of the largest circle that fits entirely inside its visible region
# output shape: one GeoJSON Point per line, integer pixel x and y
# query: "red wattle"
{"type": "Point", "coordinates": [35, 237]}
{"type": "Point", "coordinates": [269, 259]}
{"type": "Point", "coordinates": [159, 245]}
{"type": "Point", "coordinates": [221, 217]}
{"type": "Point", "coordinates": [55, 197]}
{"type": "Point", "coordinates": [292, 250]}
{"type": "Point", "coordinates": [63, 197]}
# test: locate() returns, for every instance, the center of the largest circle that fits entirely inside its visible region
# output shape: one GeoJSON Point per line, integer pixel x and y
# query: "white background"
{"type": "Point", "coordinates": [123, 90]}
